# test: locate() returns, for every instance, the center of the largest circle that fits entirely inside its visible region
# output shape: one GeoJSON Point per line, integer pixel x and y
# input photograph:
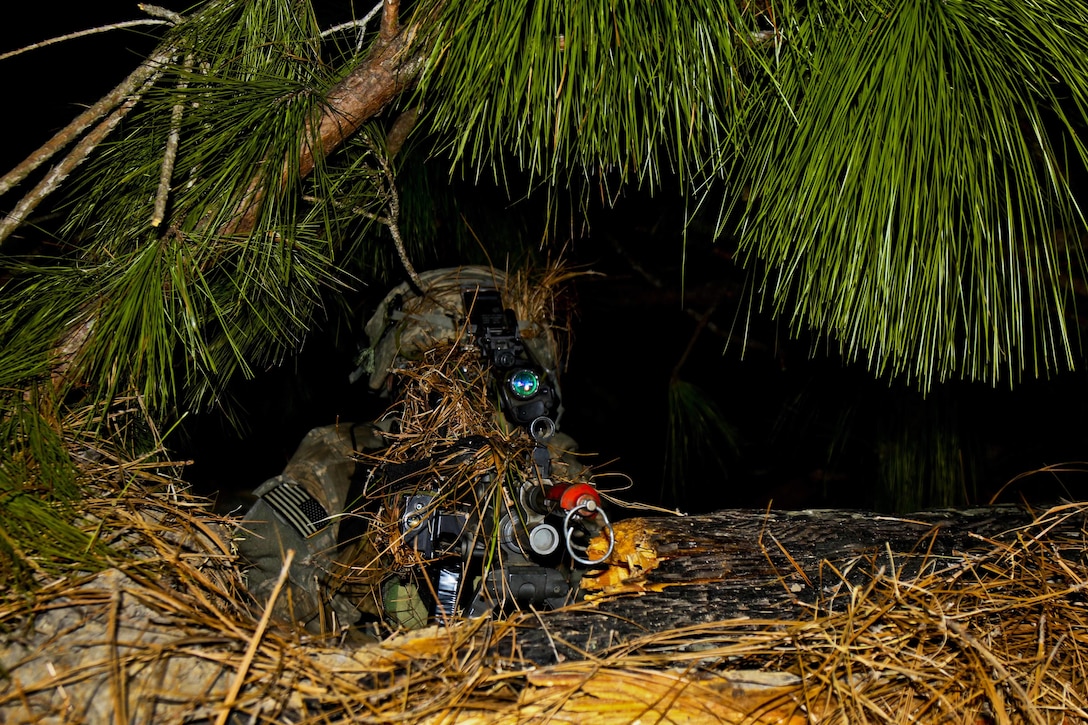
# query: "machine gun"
{"type": "Point", "coordinates": [531, 554]}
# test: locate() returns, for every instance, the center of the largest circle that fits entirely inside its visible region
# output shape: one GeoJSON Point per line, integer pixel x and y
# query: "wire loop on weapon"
{"type": "Point", "coordinates": [568, 528]}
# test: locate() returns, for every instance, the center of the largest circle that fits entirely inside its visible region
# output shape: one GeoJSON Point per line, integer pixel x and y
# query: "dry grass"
{"type": "Point", "coordinates": [170, 634]}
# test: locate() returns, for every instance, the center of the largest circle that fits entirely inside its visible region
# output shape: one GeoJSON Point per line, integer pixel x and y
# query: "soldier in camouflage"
{"type": "Point", "coordinates": [387, 519]}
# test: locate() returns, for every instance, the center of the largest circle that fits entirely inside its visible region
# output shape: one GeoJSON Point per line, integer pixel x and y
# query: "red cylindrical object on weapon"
{"type": "Point", "coordinates": [571, 495]}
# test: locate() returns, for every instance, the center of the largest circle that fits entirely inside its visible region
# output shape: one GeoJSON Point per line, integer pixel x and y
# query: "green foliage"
{"type": "Point", "coordinates": [905, 174]}
{"type": "Point", "coordinates": [38, 489]}
{"type": "Point", "coordinates": [909, 167]}
{"type": "Point", "coordinates": [37, 477]}
{"type": "Point", "coordinates": [906, 165]}
{"type": "Point", "coordinates": [637, 89]}
{"type": "Point", "coordinates": [34, 306]}
{"type": "Point", "coordinates": [184, 307]}
{"type": "Point", "coordinates": [35, 453]}
{"type": "Point", "coordinates": [910, 190]}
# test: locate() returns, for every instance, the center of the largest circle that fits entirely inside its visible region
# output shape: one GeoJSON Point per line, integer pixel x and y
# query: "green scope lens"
{"type": "Point", "coordinates": [524, 383]}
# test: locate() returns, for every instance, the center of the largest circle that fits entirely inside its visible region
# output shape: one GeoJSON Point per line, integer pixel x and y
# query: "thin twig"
{"type": "Point", "coordinates": [393, 218]}
{"type": "Point", "coordinates": [255, 641]}
{"type": "Point", "coordinates": [157, 11]}
{"type": "Point", "coordinates": [702, 324]}
{"type": "Point", "coordinates": [60, 172]}
{"type": "Point", "coordinates": [657, 283]}
{"type": "Point", "coordinates": [361, 23]}
{"type": "Point", "coordinates": [135, 83]}
{"type": "Point", "coordinates": [81, 34]}
{"type": "Point", "coordinates": [170, 154]}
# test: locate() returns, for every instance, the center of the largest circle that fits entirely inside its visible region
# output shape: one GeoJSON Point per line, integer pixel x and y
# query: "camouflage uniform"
{"type": "Point", "coordinates": [300, 510]}
{"type": "Point", "coordinates": [309, 508]}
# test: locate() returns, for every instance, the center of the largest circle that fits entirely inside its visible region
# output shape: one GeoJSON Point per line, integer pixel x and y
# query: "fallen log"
{"type": "Point", "coordinates": [670, 573]}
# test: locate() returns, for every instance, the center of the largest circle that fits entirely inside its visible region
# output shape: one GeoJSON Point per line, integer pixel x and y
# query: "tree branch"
{"type": "Point", "coordinates": [170, 154]}
{"type": "Point", "coordinates": [393, 221]}
{"type": "Point", "coordinates": [139, 80]}
{"type": "Point", "coordinates": [390, 19]}
{"type": "Point", "coordinates": [391, 68]}
{"type": "Point", "coordinates": [398, 134]}
{"type": "Point", "coordinates": [83, 34]}
{"type": "Point", "coordinates": [357, 24]}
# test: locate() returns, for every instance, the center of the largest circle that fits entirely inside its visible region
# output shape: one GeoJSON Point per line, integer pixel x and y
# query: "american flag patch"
{"type": "Point", "coordinates": [297, 508]}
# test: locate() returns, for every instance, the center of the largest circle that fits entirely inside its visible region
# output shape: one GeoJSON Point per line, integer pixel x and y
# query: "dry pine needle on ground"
{"type": "Point", "coordinates": [167, 634]}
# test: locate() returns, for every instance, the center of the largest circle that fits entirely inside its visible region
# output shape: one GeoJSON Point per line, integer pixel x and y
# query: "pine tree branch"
{"type": "Point", "coordinates": [170, 154]}
{"type": "Point", "coordinates": [390, 19]}
{"type": "Point", "coordinates": [157, 11]}
{"type": "Point", "coordinates": [81, 34]}
{"type": "Point", "coordinates": [393, 221]}
{"type": "Point", "coordinates": [107, 103]}
{"type": "Point", "coordinates": [391, 68]}
{"type": "Point", "coordinates": [117, 104]}
{"type": "Point", "coordinates": [359, 24]}
{"type": "Point", "coordinates": [139, 78]}
{"type": "Point", "coordinates": [398, 134]}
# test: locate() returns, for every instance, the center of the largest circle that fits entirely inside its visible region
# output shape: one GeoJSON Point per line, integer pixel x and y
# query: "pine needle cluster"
{"type": "Point", "coordinates": [905, 174]}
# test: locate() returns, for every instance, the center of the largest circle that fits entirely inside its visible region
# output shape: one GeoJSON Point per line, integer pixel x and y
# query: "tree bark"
{"type": "Point", "coordinates": [392, 67]}
{"type": "Point", "coordinates": [757, 565]}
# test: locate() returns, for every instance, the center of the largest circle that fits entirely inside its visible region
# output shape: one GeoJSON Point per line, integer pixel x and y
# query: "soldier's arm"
{"type": "Point", "coordinates": [300, 509]}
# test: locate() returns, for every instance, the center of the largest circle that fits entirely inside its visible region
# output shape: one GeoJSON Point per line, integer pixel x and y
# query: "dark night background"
{"type": "Point", "coordinates": [810, 429]}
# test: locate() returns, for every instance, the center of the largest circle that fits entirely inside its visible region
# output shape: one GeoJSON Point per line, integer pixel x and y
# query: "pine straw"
{"type": "Point", "coordinates": [475, 462]}
{"type": "Point", "coordinates": [996, 637]}
{"type": "Point", "coordinates": [167, 633]}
